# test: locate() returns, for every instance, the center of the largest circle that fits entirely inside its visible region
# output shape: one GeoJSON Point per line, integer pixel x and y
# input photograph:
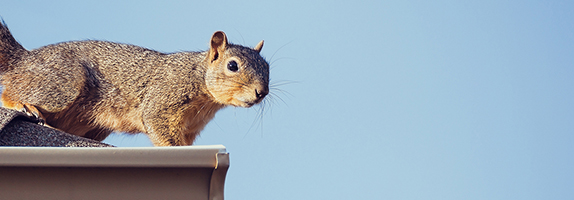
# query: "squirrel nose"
{"type": "Point", "coordinates": [261, 93]}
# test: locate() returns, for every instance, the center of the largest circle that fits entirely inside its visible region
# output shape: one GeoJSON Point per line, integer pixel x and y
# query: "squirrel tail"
{"type": "Point", "coordinates": [10, 49]}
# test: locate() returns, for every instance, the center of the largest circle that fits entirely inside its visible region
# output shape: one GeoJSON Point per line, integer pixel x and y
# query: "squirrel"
{"type": "Point", "coordinates": [91, 88]}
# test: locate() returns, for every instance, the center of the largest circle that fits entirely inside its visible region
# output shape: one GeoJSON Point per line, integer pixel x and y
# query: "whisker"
{"type": "Point", "coordinates": [273, 96]}
{"type": "Point", "coordinates": [261, 114]}
{"type": "Point", "coordinates": [242, 39]}
{"type": "Point", "coordinates": [279, 49]}
{"type": "Point", "coordinates": [284, 92]}
{"type": "Point", "coordinates": [272, 62]}
{"type": "Point", "coordinates": [282, 83]}
{"type": "Point", "coordinates": [198, 111]}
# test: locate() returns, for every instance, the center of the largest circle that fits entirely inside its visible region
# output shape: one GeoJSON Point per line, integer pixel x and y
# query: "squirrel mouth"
{"type": "Point", "coordinates": [248, 104]}
{"type": "Point", "coordinates": [241, 103]}
{"type": "Point", "coordinates": [249, 100]}
{"type": "Point", "coordinates": [259, 96]}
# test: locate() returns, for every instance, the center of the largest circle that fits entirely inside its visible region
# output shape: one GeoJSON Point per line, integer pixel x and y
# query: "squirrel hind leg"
{"type": "Point", "coordinates": [98, 134]}
{"type": "Point", "coordinates": [33, 111]}
{"type": "Point", "coordinates": [28, 109]}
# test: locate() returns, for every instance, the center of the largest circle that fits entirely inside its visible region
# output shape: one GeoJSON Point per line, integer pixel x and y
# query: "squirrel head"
{"type": "Point", "coordinates": [236, 75]}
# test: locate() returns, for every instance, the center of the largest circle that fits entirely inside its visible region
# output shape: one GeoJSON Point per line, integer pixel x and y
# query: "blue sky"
{"type": "Point", "coordinates": [383, 99]}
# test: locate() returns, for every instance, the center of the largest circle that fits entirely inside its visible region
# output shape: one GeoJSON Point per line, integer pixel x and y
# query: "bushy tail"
{"type": "Point", "coordinates": [10, 50]}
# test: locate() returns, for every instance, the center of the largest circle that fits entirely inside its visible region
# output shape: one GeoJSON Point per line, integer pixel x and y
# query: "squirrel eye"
{"type": "Point", "coordinates": [232, 66]}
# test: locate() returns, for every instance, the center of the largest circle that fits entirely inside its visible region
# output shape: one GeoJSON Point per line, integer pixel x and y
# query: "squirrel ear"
{"type": "Point", "coordinates": [218, 44]}
{"type": "Point", "coordinates": [259, 46]}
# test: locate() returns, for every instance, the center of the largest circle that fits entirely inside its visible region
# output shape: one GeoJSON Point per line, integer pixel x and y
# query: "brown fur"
{"type": "Point", "coordinates": [91, 88]}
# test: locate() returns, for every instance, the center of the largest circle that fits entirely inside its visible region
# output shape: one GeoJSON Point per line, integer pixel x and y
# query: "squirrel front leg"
{"type": "Point", "coordinates": [160, 111]}
{"type": "Point", "coordinates": [163, 128]}
{"type": "Point", "coordinates": [178, 123]}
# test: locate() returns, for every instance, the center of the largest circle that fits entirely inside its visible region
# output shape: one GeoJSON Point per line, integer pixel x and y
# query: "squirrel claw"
{"type": "Point", "coordinates": [41, 121]}
{"type": "Point", "coordinates": [32, 112]}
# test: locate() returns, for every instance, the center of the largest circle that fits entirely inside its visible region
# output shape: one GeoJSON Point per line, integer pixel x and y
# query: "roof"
{"type": "Point", "coordinates": [18, 129]}
{"type": "Point", "coordinates": [39, 162]}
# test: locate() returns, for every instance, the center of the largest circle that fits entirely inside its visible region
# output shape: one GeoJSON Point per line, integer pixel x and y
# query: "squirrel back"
{"type": "Point", "coordinates": [10, 49]}
{"type": "Point", "coordinates": [91, 88]}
